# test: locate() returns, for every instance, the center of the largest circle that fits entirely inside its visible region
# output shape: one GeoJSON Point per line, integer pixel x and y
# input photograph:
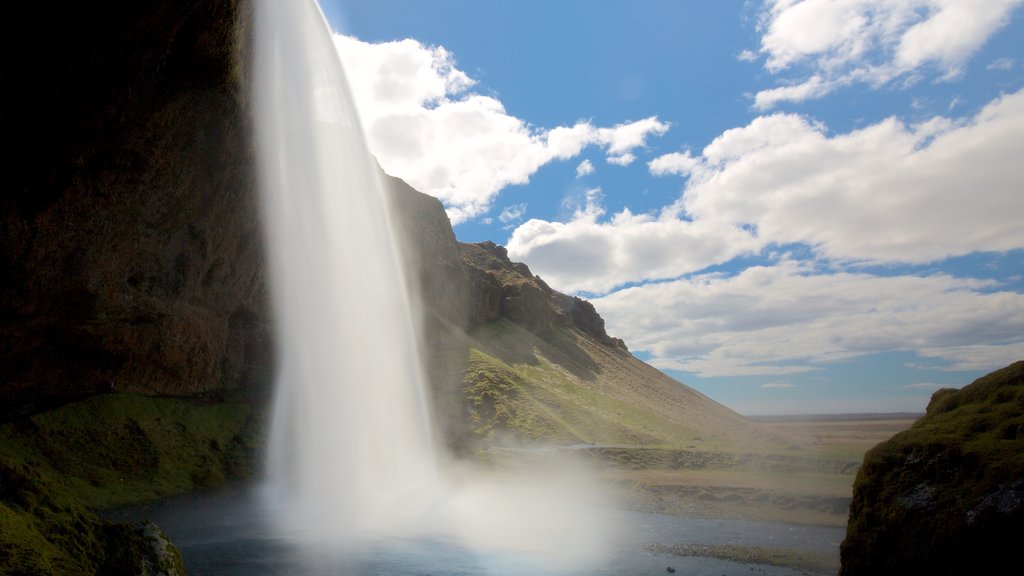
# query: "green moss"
{"type": "Point", "coordinates": [551, 389]}
{"type": "Point", "coordinates": [117, 449]}
{"type": "Point", "coordinates": [500, 400]}
{"type": "Point", "coordinates": [57, 467]}
{"type": "Point", "coordinates": [951, 483]}
{"type": "Point", "coordinates": [43, 530]}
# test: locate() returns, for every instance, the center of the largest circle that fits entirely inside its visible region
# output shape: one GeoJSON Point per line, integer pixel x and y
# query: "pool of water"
{"type": "Point", "coordinates": [230, 533]}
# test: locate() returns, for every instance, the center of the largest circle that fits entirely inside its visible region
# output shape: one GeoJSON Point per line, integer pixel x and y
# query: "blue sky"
{"type": "Point", "coordinates": [791, 206]}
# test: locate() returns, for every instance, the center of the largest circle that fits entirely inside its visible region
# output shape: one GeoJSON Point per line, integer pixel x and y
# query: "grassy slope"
{"type": "Point", "coordinates": [58, 467]}
{"type": "Point", "coordinates": [945, 495]}
{"type": "Point", "coordinates": [665, 447]}
{"type": "Point", "coordinates": [569, 389]}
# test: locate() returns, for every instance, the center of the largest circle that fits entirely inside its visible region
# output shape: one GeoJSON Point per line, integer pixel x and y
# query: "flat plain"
{"type": "Point", "coordinates": [807, 478]}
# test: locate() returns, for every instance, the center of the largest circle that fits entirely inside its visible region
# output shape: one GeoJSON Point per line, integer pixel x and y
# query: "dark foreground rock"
{"type": "Point", "coordinates": [947, 495]}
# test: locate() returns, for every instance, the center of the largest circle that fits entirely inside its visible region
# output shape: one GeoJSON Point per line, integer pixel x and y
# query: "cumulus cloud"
{"type": "Point", "coordinates": [813, 87]}
{"type": "Point", "coordinates": [888, 193]}
{"type": "Point", "coordinates": [584, 168]}
{"type": "Point", "coordinates": [622, 159]}
{"type": "Point", "coordinates": [786, 318]}
{"type": "Point", "coordinates": [873, 41]}
{"type": "Point", "coordinates": [679, 163]}
{"type": "Point", "coordinates": [425, 125]}
{"type": "Point", "coordinates": [592, 254]}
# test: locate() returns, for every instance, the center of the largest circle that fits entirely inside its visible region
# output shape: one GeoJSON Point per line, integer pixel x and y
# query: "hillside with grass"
{"type": "Point", "coordinates": [947, 495]}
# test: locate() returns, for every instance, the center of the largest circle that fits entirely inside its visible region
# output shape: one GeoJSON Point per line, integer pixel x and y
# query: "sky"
{"type": "Point", "coordinates": [792, 206]}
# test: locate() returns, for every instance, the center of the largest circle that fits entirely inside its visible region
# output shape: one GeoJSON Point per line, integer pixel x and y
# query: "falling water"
{"type": "Point", "coordinates": [351, 459]}
{"type": "Point", "coordinates": [351, 453]}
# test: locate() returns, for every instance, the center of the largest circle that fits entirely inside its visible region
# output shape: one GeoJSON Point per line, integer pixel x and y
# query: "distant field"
{"type": "Point", "coordinates": [806, 480]}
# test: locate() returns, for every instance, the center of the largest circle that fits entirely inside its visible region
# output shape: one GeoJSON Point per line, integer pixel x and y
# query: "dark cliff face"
{"type": "Point", "coordinates": [131, 255]}
{"type": "Point", "coordinates": [947, 495]}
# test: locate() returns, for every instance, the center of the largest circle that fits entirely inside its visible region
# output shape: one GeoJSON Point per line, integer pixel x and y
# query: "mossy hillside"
{"type": "Point", "coordinates": [117, 449]}
{"type": "Point", "coordinates": [567, 388]}
{"type": "Point", "coordinates": [545, 402]}
{"type": "Point", "coordinates": [45, 530]}
{"type": "Point", "coordinates": [947, 493]}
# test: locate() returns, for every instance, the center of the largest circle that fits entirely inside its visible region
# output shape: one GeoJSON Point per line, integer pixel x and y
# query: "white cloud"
{"type": "Point", "coordinates": [747, 56]}
{"type": "Point", "coordinates": [886, 193]}
{"type": "Point", "coordinates": [622, 159]}
{"type": "Point", "coordinates": [512, 213]}
{"type": "Point", "coordinates": [971, 356]}
{"type": "Point", "coordinates": [681, 163]}
{"type": "Point", "coordinates": [873, 41]}
{"type": "Point", "coordinates": [1001, 64]}
{"type": "Point", "coordinates": [584, 168]}
{"type": "Point", "coordinates": [594, 255]}
{"type": "Point", "coordinates": [622, 138]}
{"type": "Point", "coordinates": [787, 318]}
{"type": "Point", "coordinates": [813, 87]}
{"type": "Point", "coordinates": [778, 385]}
{"type": "Point", "coordinates": [424, 125]}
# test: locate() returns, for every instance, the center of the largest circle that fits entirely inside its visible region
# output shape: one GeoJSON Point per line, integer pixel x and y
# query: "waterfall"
{"type": "Point", "coordinates": [351, 459]}
{"type": "Point", "coordinates": [351, 453]}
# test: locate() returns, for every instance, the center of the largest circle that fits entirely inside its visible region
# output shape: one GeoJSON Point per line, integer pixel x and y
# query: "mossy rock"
{"type": "Point", "coordinates": [947, 495]}
{"type": "Point", "coordinates": [118, 449]}
{"type": "Point", "coordinates": [58, 467]}
{"type": "Point", "coordinates": [45, 530]}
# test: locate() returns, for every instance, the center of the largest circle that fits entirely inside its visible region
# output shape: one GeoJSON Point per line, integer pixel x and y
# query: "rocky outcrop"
{"type": "Point", "coordinates": [500, 288]}
{"type": "Point", "coordinates": [947, 495]}
{"type": "Point", "coordinates": [131, 256]}
{"type": "Point", "coordinates": [45, 530]}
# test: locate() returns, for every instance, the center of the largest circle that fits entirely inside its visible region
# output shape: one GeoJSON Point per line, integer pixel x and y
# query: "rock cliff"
{"type": "Point", "coordinates": [131, 255]}
{"type": "Point", "coordinates": [947, 495]}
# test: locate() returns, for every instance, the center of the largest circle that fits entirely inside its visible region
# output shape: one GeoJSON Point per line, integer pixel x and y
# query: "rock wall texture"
{"type": "Point", "coordinates": [130, 256]}
{"type": "Point", "coordinates": [947, 495]}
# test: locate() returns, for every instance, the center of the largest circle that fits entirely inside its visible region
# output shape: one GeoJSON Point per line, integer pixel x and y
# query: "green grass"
{"type": "Point", "coordinates": [118, 449]}
{"type": "Point", "coordinates": [950, 483]}
{"type": "Point", "coordinates": [554, 389]}
{"type": "Point", "coordinates": [57, 468]}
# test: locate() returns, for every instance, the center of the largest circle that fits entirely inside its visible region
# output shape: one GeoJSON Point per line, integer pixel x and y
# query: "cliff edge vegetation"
{"type": "Point", "coordinates": [947, 495]}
